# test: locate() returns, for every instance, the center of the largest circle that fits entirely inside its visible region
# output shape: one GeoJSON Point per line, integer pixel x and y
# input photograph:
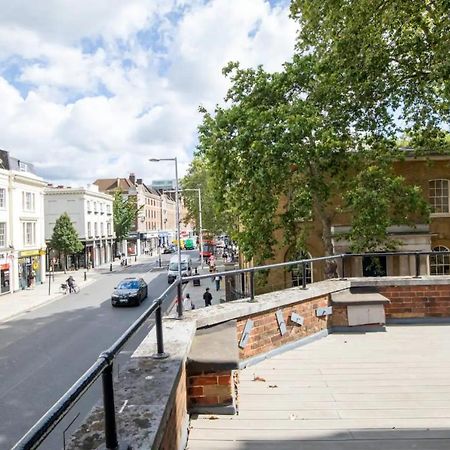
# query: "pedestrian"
{"type": "Point", "coordinates": [207, 297]}
{"type": "Point", "coordinates": [71, 283]}
{"type": "Point", "coordinates": [187, 303]}
{"type": "Point", "coordinates": [217, 279]}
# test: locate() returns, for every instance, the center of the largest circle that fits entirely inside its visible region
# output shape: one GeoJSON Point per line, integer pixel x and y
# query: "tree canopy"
{"type": "Point", "coordinates": [125, 211]}
{"type": "Point", "coordinates": [297, 149]}
{"type": "Point", "coordinates": [65, 237]}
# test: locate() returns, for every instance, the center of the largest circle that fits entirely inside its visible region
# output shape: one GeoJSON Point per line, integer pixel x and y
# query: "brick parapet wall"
{"type": "Point", "coordinates": [417, 301]}
{"type": "Point", "coordinates": [265, 334]}
{"type": "Point", "coordinates": [211, 389]}
{"type": "Point", "coordinates": [339, 317]}
{"type": "Point", "coordinates": [175, 428]}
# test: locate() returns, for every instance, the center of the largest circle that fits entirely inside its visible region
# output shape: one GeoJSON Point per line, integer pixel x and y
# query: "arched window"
{"type": "Point", "coordinates": [297, 271]}
{"type": "Point", "coordinates": [438, 193]}
{"type": "Point", "coordinates": [440, 264]}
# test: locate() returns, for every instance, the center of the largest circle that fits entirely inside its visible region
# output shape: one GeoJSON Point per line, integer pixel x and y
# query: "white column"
{"type": "Point", "coordinates": [42, 262]}
{"type": "Point", "coordinates": [138, 247]}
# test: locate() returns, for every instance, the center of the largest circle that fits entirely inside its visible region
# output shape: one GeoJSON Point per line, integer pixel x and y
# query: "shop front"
{"type": "Point", "coordinates": [5, 282]}
{"type": "Point", "coordinates": [29, 268]}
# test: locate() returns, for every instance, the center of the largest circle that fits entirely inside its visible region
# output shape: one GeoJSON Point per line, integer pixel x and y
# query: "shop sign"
{"type": "Point", "coordinates": [4, 266]}
{"type": "Point", "coordinates": [42, 252]}
{"type": "Point", "coordinates": [25, 253]}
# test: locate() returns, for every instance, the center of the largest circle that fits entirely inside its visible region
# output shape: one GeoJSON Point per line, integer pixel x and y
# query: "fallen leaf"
{"type": "Point", "coordinates": [273, 386]}
{"type": "Point", "coordinates": [256, 378]}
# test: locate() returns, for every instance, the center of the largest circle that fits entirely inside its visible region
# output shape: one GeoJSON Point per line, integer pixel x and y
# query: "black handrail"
{"type": "Point", "coordinates": [104, 364]}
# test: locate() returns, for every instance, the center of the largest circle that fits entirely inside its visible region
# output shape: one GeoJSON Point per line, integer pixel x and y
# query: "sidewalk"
{"type": "Point", "coordinates": [19, 302]}
{"type": "Point", "coordinates": [196, 292]}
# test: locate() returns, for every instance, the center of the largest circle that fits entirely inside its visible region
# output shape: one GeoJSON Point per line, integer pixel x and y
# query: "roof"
{"type": "Point", "coordinates": [111, 184]}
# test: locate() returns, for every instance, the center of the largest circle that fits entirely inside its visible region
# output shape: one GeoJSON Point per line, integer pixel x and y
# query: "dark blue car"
{"type": "Point", "coordinates": [130, 291]}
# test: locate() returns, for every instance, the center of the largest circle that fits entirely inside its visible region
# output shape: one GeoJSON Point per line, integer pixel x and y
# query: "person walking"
{"type": "Point", "coordinates": [217, 279]}
{"type": "Point", "coordinates": [207, 297]}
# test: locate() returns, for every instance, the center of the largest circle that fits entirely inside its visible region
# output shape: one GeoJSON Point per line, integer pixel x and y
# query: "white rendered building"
{"type": "Point", "coordinates": [91, 213]}
{"type": "Point", "coordinates": [22, 236]}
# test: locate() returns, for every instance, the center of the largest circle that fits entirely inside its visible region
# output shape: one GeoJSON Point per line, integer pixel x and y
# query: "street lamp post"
{"type": "Point", "coordinates": [177, 202]}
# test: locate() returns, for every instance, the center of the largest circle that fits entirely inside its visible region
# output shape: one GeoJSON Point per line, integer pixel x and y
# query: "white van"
{"type": "Point", "coordinates": [186, 267]}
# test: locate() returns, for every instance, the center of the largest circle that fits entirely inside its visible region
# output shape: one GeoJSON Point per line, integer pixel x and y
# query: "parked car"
{"type": "Point", "coordinates": [169, 249]}
{"type": "Point", "coordinates": [130, 291]}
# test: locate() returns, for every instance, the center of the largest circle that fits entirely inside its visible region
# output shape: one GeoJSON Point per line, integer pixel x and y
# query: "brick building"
{"type": "Point", "coordinates": [433, 176]}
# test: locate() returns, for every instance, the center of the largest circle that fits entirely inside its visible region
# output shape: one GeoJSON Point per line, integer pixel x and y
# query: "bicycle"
{"type": "Point", "coordinates": [65, 289]}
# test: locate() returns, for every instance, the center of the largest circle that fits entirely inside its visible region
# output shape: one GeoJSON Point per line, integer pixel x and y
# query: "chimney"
{"type": "Point", "coordinates": [132, 178]}
{"type": "Point", "coordinates": [139, 181]}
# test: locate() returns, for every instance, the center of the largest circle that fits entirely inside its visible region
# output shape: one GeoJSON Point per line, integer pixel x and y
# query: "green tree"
{"type": "Point", "coordinates": [125, 211]}
{"type": "Point", "coordinates": [65, 238]}
{"type": "Point", "coordinates": [282, 152]}
{"type": "Point", "coordinates": [387, 60]}
{"type": "Point", "coordinates": [213, 216]}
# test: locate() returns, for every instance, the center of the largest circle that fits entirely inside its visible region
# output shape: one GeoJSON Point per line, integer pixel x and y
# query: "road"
{"type": "Point", "coordinates": [43, 352]}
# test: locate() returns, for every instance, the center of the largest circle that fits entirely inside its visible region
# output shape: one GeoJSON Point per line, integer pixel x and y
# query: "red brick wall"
{"type": "Point", "coordinates": [417, 301]}
{"type": "Point", "coordinates": [265, 334]}
{"type": "Point", "coordinates": [339, 317]}
{"type": "Point", "coordinates": [175, 427]}
{"type": "Point", "coordinates": [210, 389]}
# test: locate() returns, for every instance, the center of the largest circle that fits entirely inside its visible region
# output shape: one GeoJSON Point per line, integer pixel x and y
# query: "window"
{"type": "Point", "coordinates": [102, 229]}
{"type": "Point", "coordinates": [96, 229]}
{"type": "Point", "coordinates": [29, 233]}
{"type": "Point", "coordinates": [2, 234]}
{"type": "Point", "coordinates": [101, 208]}
{"type": "Point", "coordinates": [108, 228]}
{"type": "Point", "coordinates": [439, 198]}
{"type": "Point", "coordinates": [95, 207]}
{"type": "Point", "coordinates": [440, 264]}
{"type": "Point", "coordinates": [297, 271]}
{"type": "Point", "coordinates": [2, 198]}
{"type": "Point", "coordinates": [89, 206]}
{"type": "Point", "coordinates": [28, 199]}
{"type": "Point", "coordinates": [89, 229]}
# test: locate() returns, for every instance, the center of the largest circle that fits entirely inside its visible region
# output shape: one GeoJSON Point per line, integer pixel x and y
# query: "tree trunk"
{"type": "Point", "coordinates": [64, 261]}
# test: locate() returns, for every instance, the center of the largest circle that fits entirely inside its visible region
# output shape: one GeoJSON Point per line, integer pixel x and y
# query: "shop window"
{"type": "Point", "coordinates": [2, 198]}
{"type": "Point", "coordinates": [29, 233]}
{"type": "Point", "coordinates": [297, 271]}
{"type": "Point", "coordinates": [2, 234]}
{"type": "Point", "coordinates": [439, 196]}
{"type": "Point", "coordinates": [440, 264]}
{"type": "Point", "coordinates": [28, 201]}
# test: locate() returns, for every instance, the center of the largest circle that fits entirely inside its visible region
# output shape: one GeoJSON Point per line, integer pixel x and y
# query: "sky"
{"type": "Point", "coordinates": [94, 88]}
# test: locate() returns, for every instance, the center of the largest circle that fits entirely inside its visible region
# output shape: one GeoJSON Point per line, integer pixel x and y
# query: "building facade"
{"type": "Point", "coordinates": [22, 236]}
{"type": "Point", "coordinates": [432, 175]}
{"type": "Point", "coordinates": [91, 213]}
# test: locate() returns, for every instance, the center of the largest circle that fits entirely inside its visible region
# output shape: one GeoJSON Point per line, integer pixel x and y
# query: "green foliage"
{"type": "Point", "coordinates": [387, 61]}
{"type": "Point", "coordinates": [125, 212]}
{"type": "Point", "coordinates": [213, 215]}
{"type": "Point", "coordinates": [65, 237]}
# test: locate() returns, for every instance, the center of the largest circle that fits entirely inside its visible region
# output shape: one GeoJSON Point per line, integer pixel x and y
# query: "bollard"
{"type": "Point", "coordinates": [135, 258]}
{"type": "Point", "coordinates": [85, 275]}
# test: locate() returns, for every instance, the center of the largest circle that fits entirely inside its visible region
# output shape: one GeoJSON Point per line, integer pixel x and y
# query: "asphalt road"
{"type": "Point", "coordinates": [43, 352]}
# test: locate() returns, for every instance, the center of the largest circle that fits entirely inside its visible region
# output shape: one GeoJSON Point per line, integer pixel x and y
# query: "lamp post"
{"type": "Point", "coordinates": [177, 202]}
{"type": "Point", "coordinates": [200, 218]}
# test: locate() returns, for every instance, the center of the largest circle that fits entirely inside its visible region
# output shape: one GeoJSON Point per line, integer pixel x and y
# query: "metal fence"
{"type": "Point", "coordinates": [103, 366]}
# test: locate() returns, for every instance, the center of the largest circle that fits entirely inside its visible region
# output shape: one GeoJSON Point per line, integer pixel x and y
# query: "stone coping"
{"type": "Point", "coordinates": [400, 281]}
{"type": "Point", "coordinates": [347, 297]}
{"type": "Point", "coordinates": [240, 308]}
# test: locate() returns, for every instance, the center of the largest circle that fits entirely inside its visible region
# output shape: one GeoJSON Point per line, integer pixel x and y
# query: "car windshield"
{"type": "Point", "coordinates": [174, 266]}
{"type": "Point", "coordinates": [128, 284]}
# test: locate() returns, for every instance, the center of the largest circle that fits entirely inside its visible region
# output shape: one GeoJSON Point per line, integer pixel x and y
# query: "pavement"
{"type": "Point", "coordinates": [349, 391]}
{"type": "Point", "coordinates": [196, 292]}
{"type": "Point", "coordinates": [16, 303]}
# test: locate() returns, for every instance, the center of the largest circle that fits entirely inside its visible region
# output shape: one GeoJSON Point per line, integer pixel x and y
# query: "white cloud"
{"type": "Point", "coordinates": [93, 89]}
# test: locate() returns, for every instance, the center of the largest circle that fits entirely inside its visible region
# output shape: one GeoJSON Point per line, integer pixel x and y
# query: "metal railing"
{"type": "Point", "coordinates": [104, 364]}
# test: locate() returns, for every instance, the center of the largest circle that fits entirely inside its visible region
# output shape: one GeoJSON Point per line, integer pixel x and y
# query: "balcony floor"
{"type": "Point", "coordinates": [358, 391]}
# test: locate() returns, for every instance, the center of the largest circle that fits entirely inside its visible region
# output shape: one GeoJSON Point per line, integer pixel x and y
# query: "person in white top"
{"type": "Point", "coordinates": [187, 303]}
